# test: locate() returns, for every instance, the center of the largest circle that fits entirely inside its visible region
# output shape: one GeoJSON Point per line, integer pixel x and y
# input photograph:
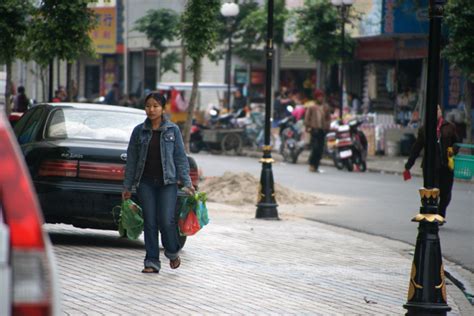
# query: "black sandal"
{"type": "Point", "coordinates": [175, 263]}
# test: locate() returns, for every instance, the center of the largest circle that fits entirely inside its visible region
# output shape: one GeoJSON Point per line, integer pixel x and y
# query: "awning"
{"type": "Point", "coordinates": [187, 86]}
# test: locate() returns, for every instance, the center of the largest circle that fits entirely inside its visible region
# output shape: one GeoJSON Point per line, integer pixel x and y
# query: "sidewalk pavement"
{"type": "Point", "coordinates": [240, 265]}
{"type": "Point", "coordinates": [383, 164]}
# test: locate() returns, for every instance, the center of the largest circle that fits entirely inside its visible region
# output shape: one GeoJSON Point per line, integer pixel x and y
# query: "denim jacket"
{"type": "Point", "coordinates": [173, 157]}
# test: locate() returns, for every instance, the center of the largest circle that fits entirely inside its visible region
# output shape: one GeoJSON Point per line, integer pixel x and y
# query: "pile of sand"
{"type": "Point", "coordinates": [241, 188]}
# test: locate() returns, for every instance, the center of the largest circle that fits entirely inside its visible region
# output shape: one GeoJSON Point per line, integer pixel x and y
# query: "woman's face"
{"type": "Point", "coordinates": [440, 112]}
{"type": "Point", "coordinates": [153, 109]}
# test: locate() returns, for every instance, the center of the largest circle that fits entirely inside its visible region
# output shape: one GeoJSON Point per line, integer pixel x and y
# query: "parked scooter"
{"type": "Point", "coordinates": [196, 141]}
{"type": "Point", "coordinates": [350, 147]}
{"type": "Point", "coordinates": [292, 144]}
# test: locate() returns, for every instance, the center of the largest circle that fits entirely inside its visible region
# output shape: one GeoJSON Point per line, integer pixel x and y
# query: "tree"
{"type": "Point", "coordinates": [460, 48]}
{"type": "Point", "coordinates": [13, 27]}
{"type": "Point", "coordinates": [318, 29]}
{"type": "Point", "coordinates": [159, 26]}
{"type": "Point", "coordinates": [199, 25]}
{"type": "Point", "coordinates": [59, 29]}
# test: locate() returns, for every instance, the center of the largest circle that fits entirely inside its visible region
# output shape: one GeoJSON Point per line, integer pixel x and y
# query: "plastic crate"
{"type": "Point", "coordinates": [464, 163]}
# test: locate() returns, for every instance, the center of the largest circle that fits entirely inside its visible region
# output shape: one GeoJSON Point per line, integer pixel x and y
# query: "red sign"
{"type": "Point", "coordinates": [375, 49]}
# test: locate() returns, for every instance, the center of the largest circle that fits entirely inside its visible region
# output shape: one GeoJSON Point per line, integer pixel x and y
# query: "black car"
{"type": "Point", "coordinates": [76, 154]}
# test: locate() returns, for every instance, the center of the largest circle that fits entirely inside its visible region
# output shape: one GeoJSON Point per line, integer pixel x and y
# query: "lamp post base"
{"type": "Point", "coordinates": [420, 309]}
{"type": "Point", "coordinates": [427, 285]}
{"type": "Point", "coordinates": [267, 211]}
{"type": "Point", "coordinates": [266, 203]}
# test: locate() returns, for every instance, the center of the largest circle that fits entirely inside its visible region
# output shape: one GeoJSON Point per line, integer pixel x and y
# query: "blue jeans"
{"type": "Point", "coordinates": [158, 203]}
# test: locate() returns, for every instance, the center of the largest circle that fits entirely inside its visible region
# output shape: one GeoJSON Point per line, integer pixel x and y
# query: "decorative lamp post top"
{"type": "Point", "coordinates": [229, 9]}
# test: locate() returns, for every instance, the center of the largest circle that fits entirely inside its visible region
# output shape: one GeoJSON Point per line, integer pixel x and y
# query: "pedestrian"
{"type": "Point", "coordinates": [317, 120]}
{"type": "Point", "coordinates": [20, 102]}
{"type": "Point", "coordinates": [240, 101]}
{"type": "Point", "coordinates": [114, 96]}
{"type": "Point", "coordinates": [156, 163]}
{"type": "Point", "coordinates": [57, 96]}
{"type": "Point", "coordinates": [445, 150]}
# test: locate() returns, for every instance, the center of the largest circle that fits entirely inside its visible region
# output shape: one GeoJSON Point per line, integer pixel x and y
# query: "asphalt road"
{"type": "Point", "coordinates": [374, 203]}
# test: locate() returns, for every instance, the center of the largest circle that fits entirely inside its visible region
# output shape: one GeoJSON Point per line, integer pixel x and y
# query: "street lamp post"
{"type": "Point", "coordinates": [343, 7]}
{"type": "Point", "coordinates": [266, 203]}
{"type": "Point", "coordinates": [229, 10]}
{"type": "Point", "coordinates": [427, 287]}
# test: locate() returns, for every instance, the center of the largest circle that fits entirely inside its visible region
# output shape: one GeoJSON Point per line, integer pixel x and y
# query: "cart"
{"type": "Point", "coordinates": [227, 140]}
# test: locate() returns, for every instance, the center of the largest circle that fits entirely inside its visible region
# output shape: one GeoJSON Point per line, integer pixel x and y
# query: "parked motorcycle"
{"type": "Point", "coordinates": [196, 141]}
{"type": "Point", "coordinates": [350, 147]}
{"type": "Point", "coordinates": [291, 136]}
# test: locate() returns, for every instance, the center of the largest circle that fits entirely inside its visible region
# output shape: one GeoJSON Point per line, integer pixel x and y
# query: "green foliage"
{"type": "Point", "coordinates": [13, 27]}
{"type": "Point", "coordinates": [158, 26]}
{"type": "Point", "coordinates": [199, 24]}
{"type": "Point", "coordinates": [318, 29]}
{"type": "Point", "coordinates": [168, 62]}
{"type": "Point", "coordinates": [244, 43]}
{"type": "Point", "coordinates": [460, 49]}
{"type": "Point", "coordinates": [60, 29]}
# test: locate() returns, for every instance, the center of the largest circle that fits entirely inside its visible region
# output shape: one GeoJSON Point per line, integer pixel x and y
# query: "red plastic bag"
{"type": "Point", "coordinates": [406, 175]}
{"type": "Point", "coordinates": [189, 225]}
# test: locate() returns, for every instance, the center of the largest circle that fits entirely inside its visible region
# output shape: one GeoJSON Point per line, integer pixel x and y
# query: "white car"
{"type": "Point", "coordinates": [28, 277]}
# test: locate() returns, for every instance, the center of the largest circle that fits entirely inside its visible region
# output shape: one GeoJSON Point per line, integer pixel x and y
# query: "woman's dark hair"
{"type": "Point", "coordinates": [161, 99]}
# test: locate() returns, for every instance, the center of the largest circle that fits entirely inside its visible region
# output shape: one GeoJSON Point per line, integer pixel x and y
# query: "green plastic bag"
{"type": "Point", "coordinates": [195, 203]}
{"type": "Point", "coordinates": [130, 222]}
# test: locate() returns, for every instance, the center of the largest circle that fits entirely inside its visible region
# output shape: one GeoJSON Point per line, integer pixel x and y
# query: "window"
{"type": "Point", "coordinates": [30, 125]}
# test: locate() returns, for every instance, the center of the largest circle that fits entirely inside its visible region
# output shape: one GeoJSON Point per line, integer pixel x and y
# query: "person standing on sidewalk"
{"type": "Point", "coordinates": [317, 120]}
{"type": "Point", "coordinates": [445, 150]}
{"type": "Point", "coordinates": [21, 102]}
{"type": "Point", "coordinates": [156, 161]}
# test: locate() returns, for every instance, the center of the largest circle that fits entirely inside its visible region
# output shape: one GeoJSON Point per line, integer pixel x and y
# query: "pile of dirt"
{"type": "Point", "coordinates": [241, 188]}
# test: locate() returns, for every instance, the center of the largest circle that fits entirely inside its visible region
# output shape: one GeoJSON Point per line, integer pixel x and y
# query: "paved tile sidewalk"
{"type": "Point", "coordinates": [238, 265]}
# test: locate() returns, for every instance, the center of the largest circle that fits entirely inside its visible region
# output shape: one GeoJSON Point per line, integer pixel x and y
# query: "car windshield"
{"type": "Point", "coordinates": [93, 124]}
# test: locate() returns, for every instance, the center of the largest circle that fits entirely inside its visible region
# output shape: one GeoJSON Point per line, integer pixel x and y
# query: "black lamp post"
{"type": "Point", "coordinates": [427, 287]}
{"type": "Point", "coordinates": [229, 10]}
{"type": "Point", "coordinates": [343, 7]}
{"type": "Point", "coordinates": [266, 203]}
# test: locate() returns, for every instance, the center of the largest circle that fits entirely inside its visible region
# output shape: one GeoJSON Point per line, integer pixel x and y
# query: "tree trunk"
{"type": "Point", "coordinates": [8, 89]}
{"type": "Point", "coordinates": [158, 67]}
{"type": "Point", "coordinates": [43, 82]}
{"type": "Point", "coordinates": [187, 126]}
{"type": "Point", "coordinates": [68, 81]}
{"type": "Point", "coordinates": [468, 110]}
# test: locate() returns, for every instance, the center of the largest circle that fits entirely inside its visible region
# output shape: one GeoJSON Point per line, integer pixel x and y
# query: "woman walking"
{"type": "Point", "coordinates": [445, 148]}
{"type": "Point", "coordinates": [156, 162]}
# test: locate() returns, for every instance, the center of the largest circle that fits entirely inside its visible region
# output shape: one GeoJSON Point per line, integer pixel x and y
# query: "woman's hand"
{"type": "Point", "coordinates": [189, 190]}
{"type": "Point", "coordinates": [126, 194]}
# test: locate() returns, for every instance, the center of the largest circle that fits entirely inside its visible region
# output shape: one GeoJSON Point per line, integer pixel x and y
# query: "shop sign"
{"type": "Point", "coordinates": [414, 48]}
{"type": "Point", "coordinates": [240, 76]}
{"type": "Point", "coordinates": [375, 49]}
{"type": "Point", "coordinates": [257, 77]}
{"type": "Point", "coordinates": [109, 71]}
{"type": "Point", "coordinates": [405, 17]}
{"type": "Point", "coordinates": [104, 36]}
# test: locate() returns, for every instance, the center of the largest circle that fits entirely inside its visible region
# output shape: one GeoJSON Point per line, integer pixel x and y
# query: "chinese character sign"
{"type": "Point", "coordinates": [104, 35]}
